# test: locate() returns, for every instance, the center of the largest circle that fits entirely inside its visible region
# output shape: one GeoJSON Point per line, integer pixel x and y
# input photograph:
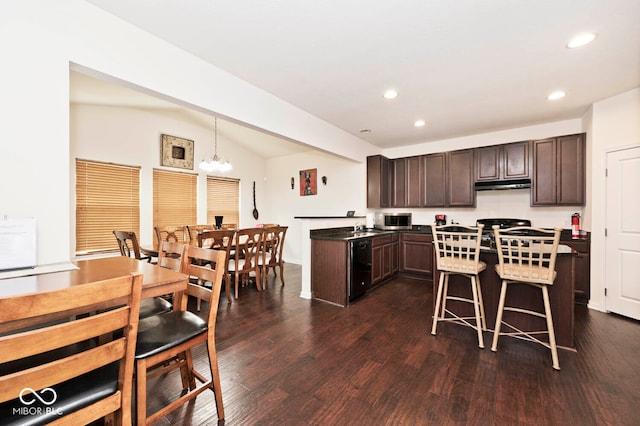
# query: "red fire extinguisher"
{"type": "Point", "coordinates": [575, 225]}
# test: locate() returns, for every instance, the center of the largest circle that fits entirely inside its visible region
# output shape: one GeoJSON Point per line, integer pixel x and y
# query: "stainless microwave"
{"type": "Point", "coordinates": [394, 221]}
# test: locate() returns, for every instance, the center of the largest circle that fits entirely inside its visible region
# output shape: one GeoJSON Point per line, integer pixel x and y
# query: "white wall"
{"type": "Point", "coordinates": [345, 190]}
{"type": "Point", "coordinates": [132, 136]}
{"type": "Point", "coordinates": [615, 123]}
{"type": "Point", "coordinates": [40, 39]}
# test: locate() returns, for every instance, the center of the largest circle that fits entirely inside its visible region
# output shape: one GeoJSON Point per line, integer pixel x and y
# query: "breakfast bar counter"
{"type": "Point", "coordinates": [561, 296]}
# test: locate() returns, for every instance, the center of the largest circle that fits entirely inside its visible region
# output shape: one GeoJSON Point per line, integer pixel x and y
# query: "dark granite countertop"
{"type": "Point", "coordinates": [347, 234]}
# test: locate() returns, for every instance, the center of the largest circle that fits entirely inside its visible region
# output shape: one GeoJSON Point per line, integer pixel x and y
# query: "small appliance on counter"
{"type": "Point", "coordinates": [393, 221]}
{"type": "Point", "coordinates": [441, 219]}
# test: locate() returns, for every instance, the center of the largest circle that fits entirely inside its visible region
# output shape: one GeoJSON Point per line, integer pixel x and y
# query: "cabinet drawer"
{"type": "Point", "coordinates": [579, 246]}
{"type": "Point", "coordinates": [381, 240]}
{"type": "Point", "coordinates": [425, 238]}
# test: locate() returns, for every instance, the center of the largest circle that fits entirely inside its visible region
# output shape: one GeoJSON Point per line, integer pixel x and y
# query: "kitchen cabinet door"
{"type": "Point", "coordinates": [414, 181]}
{"type": "Point", "coordinates": [543, 188]}
{"type": "Point", "coordinates": [435, 178]}
{"type": "Point", "coordinates": [488, 163]}
{"type": "Point", "coordinates": [399, 185]}
{"type": "Point", "coordinates": [582, 265]}
{"type": "Point", "coordinates": [570, 170]}
{"type": "Point", "coordinates": [558, 171]}
{"type": "Point", "coordinates": [377, 265]}
{"type": "Point", "coordinates": [502, 162]}
{"type": "Point", "coordinates": [460, 190]}
{"type": "Point", "coordinates": [416, 254]}
{"type": "Point", "coordinates": [378, 182]}
{"type": "Point", "coordinates": [515, 160]}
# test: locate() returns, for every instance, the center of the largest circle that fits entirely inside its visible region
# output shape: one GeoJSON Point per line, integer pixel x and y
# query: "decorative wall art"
{"type": "Point", "coordinates": [308, 182]}
{"type": "Point", "coordinates": [176, 152]}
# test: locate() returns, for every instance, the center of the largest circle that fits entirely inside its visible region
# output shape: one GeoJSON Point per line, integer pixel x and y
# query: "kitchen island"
{"type": "Point", "coordinates": [561, 296]}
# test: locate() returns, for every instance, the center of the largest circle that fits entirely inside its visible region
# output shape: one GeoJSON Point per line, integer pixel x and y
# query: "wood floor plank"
{"type": "Point", "coordinates": [289, 361]}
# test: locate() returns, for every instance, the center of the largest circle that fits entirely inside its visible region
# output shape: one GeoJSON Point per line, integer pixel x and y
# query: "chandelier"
{"type": "Point", "coordinates": [215, 163]}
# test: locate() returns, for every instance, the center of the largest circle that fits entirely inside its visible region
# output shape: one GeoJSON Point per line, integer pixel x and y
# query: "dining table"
{"type": "Point", "coordinates": [156, 281]}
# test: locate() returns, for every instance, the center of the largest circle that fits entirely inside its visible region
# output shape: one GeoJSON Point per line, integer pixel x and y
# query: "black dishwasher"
{"type": "Point", "coordinates": [360, 267]}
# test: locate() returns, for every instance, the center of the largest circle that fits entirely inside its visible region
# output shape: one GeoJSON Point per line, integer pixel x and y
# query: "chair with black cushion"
{"type": "Point", "coordinates": [62, 372]}
{"type": "Point", "coordinates": [219, 239]}
{"type": "Point", "coordinates": [271, 256]}
{"type": "Point", "coordinates": [245, 263]}
{"type": "Point", "coordinates": [165, 341]}
{"type": "Point", "coordinates": [457, 249]}
{"type": "Point", "coordinates": [128, 244]}
{"type": "Point", "coordinates": [527, 256]}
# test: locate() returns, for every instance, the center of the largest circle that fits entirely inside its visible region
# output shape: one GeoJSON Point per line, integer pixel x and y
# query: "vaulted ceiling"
{"type": "Point", "coordinates": [463, 66]}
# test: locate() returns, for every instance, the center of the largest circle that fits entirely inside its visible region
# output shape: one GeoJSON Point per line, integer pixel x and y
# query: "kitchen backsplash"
{"type": "Point", "coordinates": [513, 203]}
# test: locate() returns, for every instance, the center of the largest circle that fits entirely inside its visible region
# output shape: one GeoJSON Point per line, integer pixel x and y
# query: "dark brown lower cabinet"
{"type": "Point", "coordinates": [384, 258]}
{"type": "Point", "coordinates": [330, 271]}
{"type": "Point", "coordinates": [416, 254]}
{"type": "Point", "coordinates": [582, 273]}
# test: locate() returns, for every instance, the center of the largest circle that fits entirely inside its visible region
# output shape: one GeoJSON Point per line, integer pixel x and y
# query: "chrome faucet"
{"type": "Point", "coordinates": [357, 227]}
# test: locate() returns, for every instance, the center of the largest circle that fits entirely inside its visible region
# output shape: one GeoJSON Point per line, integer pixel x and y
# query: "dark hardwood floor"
{"type": "Point", "coordinates": [290, 361]}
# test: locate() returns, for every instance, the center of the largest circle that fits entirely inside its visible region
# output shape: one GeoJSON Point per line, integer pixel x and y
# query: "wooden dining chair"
{"type": "Point", "coordinates": [177, 234]}
{"type": "Point", "coordinates": [271, 255]}
{"type": "Point", "coordinates": [219, 239]}
{"type": "Point", "coordinates": [170, 255]}
{"type": "Point", "coordinates": [128, 243]}
{"type": "Point", "coordinates": [129, 246]}
{"type": "Point", "coordinates": [245, 261]}
{"type": "Point", "coordinates": [62, 372]}
{"type": "Point", "coordinates": [165, 342]}
{"type": "Point", "coordinates": [229, 226]}
{"type": "Point", "coordinates": [194, 230]}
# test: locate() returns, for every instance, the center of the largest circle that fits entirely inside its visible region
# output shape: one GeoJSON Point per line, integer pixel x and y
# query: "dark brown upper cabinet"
{"type": "Point", "coordinates": [503, 162]}
{"type": "Point", "coordinates": [378, 182]}
{"type": "Point", "coordinates": [559, 171]}
{"type": "Point", "coordinates": [448, 179]}
{"type": "Point", "coordinates": [435, 180]}
{"type": "Point", "coordinates": [460, 190]}
{"type": "Point", "coordinates": [407, 182]}
{"type": "Point", "coordinates": [399, 182]}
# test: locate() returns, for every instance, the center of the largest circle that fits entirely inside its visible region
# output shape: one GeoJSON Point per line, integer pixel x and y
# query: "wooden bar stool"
{"type": "Point", "coordinates": [458, 253]}
{"type": "Point", "coordinates": [527, 256]}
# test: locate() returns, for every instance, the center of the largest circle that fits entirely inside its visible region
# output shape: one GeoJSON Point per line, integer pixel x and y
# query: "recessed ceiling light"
{"type": "Point", "coordinates": [556, 95]}
{"type": "Point", "coordinates": [581, 40]}
{"type": "Point", "coordinates": [419, 123]}
{"type": "Point", "coordinates": [390, 94]}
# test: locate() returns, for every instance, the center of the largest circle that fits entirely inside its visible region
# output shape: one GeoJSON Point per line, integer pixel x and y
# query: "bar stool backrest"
{"type": "Point", "coordinates": [527, 254]}
{"type": "Point", "coordinates": [457, 247]}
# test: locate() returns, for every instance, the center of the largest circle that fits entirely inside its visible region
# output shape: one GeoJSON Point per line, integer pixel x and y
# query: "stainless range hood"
{"type": "Point", "coordinates": [503, 184]}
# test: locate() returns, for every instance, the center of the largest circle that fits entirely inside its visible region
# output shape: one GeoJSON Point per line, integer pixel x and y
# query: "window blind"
{"type": "Point", "coordinates": [223, 199]}
{"type": "Point", "coordinates": [107, 199]}
{"type": "Point", "coordinates": [174, 198]}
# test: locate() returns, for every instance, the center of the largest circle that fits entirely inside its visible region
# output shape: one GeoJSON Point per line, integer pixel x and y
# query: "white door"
{"type": "Point", "coordinates": [622, 263]}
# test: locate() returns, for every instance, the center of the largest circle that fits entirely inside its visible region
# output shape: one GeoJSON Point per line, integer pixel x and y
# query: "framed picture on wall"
{"type": "Point", "coordinates": [176, 152]}
{"type": "Point", "coordinates": [308, 182]}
